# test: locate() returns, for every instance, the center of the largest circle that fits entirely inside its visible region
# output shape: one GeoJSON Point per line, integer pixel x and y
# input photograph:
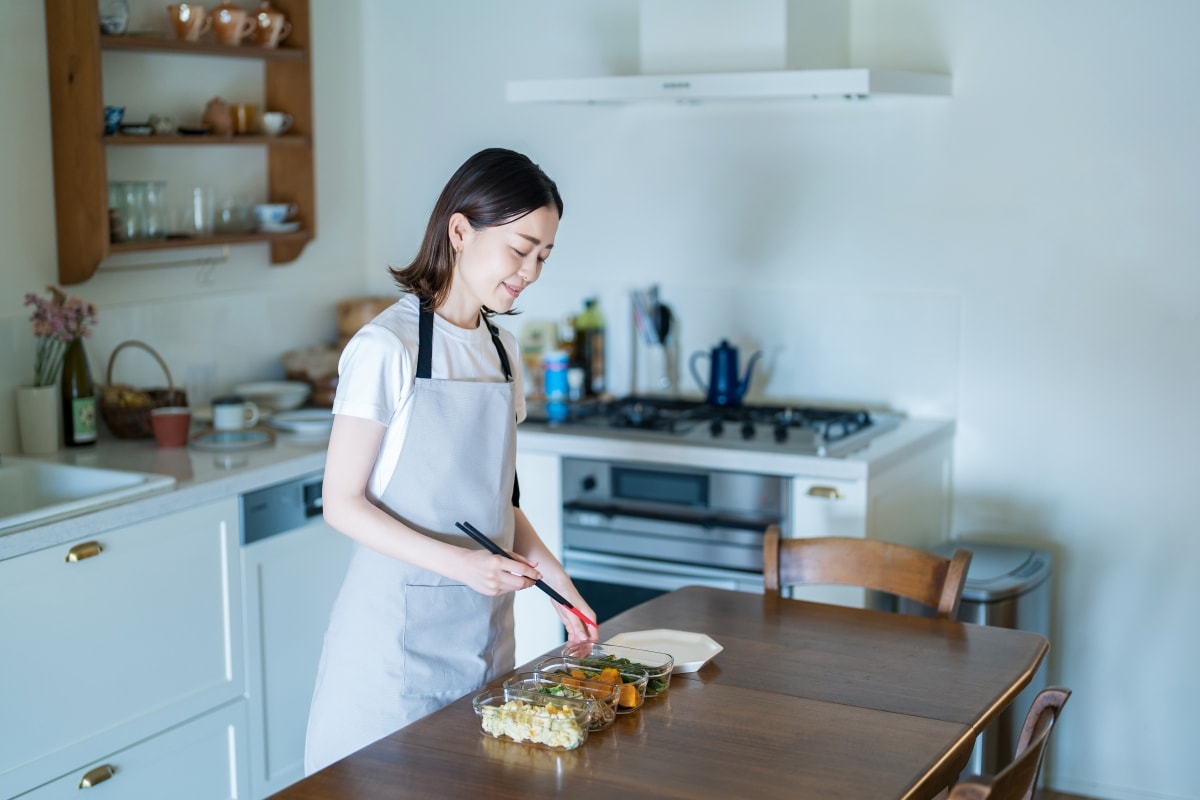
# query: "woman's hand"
{"type": "Point", "coordinates": [577, 631]}
{"type": "Point", "coordinates": [494, 575]}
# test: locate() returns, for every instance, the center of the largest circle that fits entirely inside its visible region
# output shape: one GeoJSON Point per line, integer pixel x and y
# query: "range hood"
{"type": "Point", "coordinates": [693, 51]}
{"type": "Point", "coordinates": [802, 84]}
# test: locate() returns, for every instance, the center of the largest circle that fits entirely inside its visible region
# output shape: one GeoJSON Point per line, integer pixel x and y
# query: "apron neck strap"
{"type": "Point", "coordinates": [425, 345]}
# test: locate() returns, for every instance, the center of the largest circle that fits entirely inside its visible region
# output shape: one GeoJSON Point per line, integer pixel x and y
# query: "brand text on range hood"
{"type": "Point", "coordinates": [718, 50]}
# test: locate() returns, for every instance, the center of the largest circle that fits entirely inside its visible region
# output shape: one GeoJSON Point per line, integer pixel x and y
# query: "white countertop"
{"type": "Point", "coordinates": [203, 476]}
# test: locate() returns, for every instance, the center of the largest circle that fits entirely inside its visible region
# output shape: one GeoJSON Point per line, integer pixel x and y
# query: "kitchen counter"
{"type": "Point", "coordinates": [200, 477]}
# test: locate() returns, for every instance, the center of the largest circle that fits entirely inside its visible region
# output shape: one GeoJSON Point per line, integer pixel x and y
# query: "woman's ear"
{"type": "Point", "coordinates": [459, 230]}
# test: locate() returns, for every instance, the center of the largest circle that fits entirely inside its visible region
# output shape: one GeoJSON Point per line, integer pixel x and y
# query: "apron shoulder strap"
{"type": "Point", "coordinates": [424, 342]}
{"type": "Point", "coordinates": [499, 349]}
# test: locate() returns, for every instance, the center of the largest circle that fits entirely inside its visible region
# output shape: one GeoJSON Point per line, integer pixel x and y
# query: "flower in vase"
{"type": "Point", "coordinates": [57, 321]}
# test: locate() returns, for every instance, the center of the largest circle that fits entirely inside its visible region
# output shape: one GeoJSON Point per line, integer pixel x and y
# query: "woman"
{"type": "Point", "coordinates": [429, 395]}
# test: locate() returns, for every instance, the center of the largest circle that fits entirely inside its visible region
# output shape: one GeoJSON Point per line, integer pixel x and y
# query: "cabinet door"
{"type": "Point", "coordinates": [537, 625]}
{"type": "Point", "coordinates": [111, 640]}
{"type": "Point", "coordinates": [204, 759]}
{"type": "Point", "coordinates": [828, 507]}
{"type": "Point", "coordinates": [291, 582]}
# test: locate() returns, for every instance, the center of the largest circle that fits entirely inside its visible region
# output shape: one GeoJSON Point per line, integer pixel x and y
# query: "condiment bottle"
{"type": "Point", "coordinates": [589, 346]}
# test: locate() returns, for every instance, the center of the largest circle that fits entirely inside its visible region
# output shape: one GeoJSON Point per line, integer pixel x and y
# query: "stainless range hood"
{"type": "Point", "coordinates": [803, 84]}
{"type": "Point", "coordinates": [726, 50]}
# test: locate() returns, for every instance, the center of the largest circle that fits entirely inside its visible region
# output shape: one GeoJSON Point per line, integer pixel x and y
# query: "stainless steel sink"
{"type": "Point", "coordinates": [35, 492]}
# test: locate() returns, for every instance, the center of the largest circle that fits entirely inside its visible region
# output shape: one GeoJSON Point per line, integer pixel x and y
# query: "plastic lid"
{"type": "Point", "coordinates": [998, 571]}
{"type": "Point", "coordinates": [555, 356]}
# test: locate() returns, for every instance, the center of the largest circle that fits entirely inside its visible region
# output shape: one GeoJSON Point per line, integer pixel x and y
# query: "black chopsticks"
{"type": "Point", "coordinates": [473, 532]}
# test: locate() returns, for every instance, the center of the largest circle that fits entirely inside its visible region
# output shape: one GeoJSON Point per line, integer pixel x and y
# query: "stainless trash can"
{"type": "Point", "coordinates": [1007, 586]}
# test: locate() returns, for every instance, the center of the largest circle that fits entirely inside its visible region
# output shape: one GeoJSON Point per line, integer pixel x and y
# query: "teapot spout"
{"type": "Point", "coordinates": [744, 383]}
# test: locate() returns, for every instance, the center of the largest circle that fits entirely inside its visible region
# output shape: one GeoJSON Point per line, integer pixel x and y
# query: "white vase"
{"type": "Point", "coordinates": [38, 419]}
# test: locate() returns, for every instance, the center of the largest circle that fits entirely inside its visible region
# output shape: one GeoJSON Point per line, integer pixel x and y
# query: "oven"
{"type": "Point", "coordinates": [633, 531]}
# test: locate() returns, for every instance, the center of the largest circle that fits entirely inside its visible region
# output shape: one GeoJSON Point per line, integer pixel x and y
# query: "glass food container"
{"type": "Point", "coordinates": [632, 681]}
{"type": "Point", "coordinates": [602, 696]}
{"type": "Point", "coordinates": [532, 719]}
{"type": "Point", "coordinates": [658, 665]}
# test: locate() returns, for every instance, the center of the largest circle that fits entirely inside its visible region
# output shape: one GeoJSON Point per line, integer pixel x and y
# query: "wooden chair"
{"type": "Point", "coordinates": [1018, 781]}
{"type": "Point", "coordinates": [870, 563]}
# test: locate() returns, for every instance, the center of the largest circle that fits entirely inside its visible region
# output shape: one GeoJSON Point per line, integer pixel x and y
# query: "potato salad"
{"type": "Point", "coordinates": [550, 725]}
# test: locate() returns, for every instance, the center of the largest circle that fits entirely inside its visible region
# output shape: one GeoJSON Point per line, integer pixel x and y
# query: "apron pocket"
{"type": "Point", "coordinates": [447, 640]}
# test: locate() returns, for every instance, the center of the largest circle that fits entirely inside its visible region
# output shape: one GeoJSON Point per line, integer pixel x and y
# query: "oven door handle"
{"type": "Point", "coordinates": [625, 571]}
{"type": "Point", "coordinates": [612, 511]}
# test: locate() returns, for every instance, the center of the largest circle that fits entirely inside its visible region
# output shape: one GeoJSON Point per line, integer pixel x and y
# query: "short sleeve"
{"type": "Point", "coordinates": [375, 375]}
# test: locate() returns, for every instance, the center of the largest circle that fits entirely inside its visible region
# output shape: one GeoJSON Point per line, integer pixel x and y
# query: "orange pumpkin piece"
{"type": "Point", "coordinates": [629, 697]}
{"type": "Point", "coordinates": [609, 675]}
{"type": "Point", "coordinates": [578, 673]}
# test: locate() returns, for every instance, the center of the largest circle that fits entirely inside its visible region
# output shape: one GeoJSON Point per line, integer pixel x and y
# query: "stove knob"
{"type": "Point", "coordinates": [781, 433]}
{"type": "Point", "coordinates": [717, 427]}
{"type": "Point", "coordinates": [747, 430]}
{"type": "Point", "coordinates": [588, 483]}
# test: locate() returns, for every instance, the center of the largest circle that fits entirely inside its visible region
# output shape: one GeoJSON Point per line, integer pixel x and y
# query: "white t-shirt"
{"type": "Point", "coordinates": [378, 368]}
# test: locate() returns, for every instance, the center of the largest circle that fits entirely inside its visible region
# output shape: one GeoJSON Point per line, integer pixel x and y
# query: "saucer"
{"type": "Point", "coordinates": [279, 227]}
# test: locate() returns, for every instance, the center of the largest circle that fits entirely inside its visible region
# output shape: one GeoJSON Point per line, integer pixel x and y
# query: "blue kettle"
{"type": "Point", "coordinates": [724, 387]}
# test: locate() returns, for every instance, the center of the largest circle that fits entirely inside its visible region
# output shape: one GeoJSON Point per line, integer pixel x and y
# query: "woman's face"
{"type": "Point", "coordinates": [496, 264]}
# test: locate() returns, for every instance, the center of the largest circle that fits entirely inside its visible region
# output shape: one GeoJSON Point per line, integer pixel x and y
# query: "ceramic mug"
{"type": "Point", "coordinates": [276, 122]}
{"type": "Point", "coordinates": [171, 424]}
{"type": "Point", "coordinates": [245, 118]}
{"type": "Point", "coordinates": [232, 24]}
{"type": "Point", "coordinates": [233, 413]}
{"type": "Point", "coordinates": [190, 21]}
{"type": "Point", "coordinates": [271, 28]}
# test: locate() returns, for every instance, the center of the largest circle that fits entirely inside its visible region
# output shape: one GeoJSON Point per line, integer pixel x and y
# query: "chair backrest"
{"type": "Point", "coordinates": [870, 563]}
{"type": "Point", "coordinates": [1018, 781]}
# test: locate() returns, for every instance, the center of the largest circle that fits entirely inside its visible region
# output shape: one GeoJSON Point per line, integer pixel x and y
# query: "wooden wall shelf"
{"type": "Point", "coordinates": [126, 140]}
{"type": "Point", "coordinates": [74, 45]}
{"type": "Point", "coordinates": [164, 44]}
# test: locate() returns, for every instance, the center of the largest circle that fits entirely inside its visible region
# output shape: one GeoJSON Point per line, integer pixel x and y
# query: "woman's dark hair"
{"type": "Point", "coordinates": [492, 187]}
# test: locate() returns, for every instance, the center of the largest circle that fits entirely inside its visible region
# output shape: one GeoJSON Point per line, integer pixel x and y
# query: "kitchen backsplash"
{"type": "Point", "coordinates": [209, 343]}
{"type": "Point", "coordinates": [898, 350]}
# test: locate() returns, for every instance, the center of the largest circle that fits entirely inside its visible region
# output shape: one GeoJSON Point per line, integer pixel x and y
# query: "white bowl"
{"type": "Point", "coordinates": [273, 396]}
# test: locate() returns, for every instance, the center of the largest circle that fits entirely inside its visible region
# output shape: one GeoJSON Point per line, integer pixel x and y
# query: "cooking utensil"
{"type": "Point", "coordinates": [473, 532]}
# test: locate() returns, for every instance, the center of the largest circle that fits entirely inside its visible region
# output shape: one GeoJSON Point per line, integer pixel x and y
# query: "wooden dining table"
{"type": "Point", "coordinates": [806, 700]}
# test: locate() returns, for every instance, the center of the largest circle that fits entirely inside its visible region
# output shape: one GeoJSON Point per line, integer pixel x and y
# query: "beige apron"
{"type": "Point", "coordinates": [404, 641]}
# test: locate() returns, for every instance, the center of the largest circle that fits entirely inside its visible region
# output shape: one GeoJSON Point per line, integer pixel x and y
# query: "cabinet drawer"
{"type": "Point", "coordinates": [203, 759]}
{"type": "Point", "coordinates": [140, 632]}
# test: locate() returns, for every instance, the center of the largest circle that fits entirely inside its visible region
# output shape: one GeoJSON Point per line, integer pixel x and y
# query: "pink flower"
{"type": "Point", "coordinates": [57, 321]}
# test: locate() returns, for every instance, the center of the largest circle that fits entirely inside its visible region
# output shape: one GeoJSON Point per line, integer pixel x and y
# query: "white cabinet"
{"type": "Point", "coordinates": [112, 640]}
{"type": "Point", "coordinates": [204, 759]}
{"type": "Point", "coordinates": [291, 581]}
{"type": "Point", "coordinates": [538, 628]}
{"type": "Point", "coordinates": [908, 503]}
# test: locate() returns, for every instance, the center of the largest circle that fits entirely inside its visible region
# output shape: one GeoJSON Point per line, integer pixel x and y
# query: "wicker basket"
{"type": "Point", "coordinates": [125, 409]}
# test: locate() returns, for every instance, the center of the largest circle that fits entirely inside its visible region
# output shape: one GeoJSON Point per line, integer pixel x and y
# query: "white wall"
{"type": "Point", "coordinates": [213, 326]}
{"type": "Point", "coordinates": [1021, 257]}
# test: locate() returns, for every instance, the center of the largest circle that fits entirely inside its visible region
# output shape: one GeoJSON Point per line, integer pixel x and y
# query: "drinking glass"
{"type": "Point", "coordinates": [203, 217]}
{"type": "Point", "coordinates": [155, 209]}
{"type": "Point", "coordinates": [133, 210]}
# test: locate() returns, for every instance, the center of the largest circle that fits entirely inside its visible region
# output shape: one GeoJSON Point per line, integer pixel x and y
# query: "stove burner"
{"type": "Point", "coordinates": [683, 416]}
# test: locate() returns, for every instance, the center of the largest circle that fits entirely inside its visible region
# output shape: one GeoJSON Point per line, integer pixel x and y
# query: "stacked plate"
{"type": "Point", "coordinates": [303, 421]}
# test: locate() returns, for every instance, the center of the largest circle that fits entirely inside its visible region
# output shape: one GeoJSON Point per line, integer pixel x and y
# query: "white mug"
{"type": "Point", "coordinates": [276, 122]}
{"type": "Point", "coordinates": [233, 413]}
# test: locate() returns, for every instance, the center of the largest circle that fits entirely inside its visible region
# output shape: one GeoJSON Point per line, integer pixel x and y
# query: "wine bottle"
{"type": "Point", "coordinates": [78, 398]}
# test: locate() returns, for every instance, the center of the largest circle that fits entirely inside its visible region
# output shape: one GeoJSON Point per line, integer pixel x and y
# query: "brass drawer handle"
{"type": "Point", "coordinates": [86, 550]}
{"type": "Point", "coordinates": [97, 776]}
{"type": "Point", "coordinates": [826, 492]}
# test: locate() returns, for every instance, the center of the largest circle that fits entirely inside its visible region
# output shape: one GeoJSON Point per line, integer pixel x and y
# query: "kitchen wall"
{"type": "Point", "coordinates": [213, 326]}
{"type": "Point", "coordinates": [1021, 257]}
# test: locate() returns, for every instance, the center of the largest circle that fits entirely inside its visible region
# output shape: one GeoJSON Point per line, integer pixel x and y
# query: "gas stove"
{"type": "Point", "coordinates": [790, 429]}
